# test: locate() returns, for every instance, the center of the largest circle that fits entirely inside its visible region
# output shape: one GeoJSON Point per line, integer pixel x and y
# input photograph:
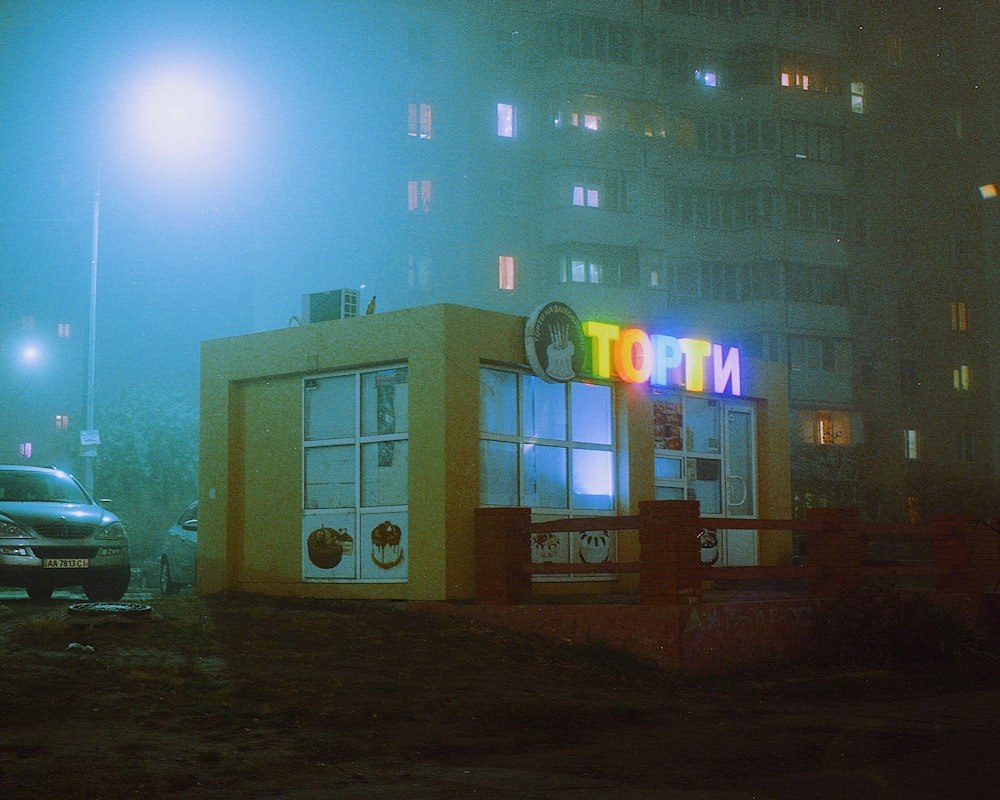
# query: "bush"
{"type": "Point", "coordinates": [882, 626]}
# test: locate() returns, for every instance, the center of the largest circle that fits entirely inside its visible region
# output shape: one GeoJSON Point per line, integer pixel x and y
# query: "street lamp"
{"type": "Point", "coordinates": [177, 119]}
{"type": "Point", "coordinates": [89, 437]}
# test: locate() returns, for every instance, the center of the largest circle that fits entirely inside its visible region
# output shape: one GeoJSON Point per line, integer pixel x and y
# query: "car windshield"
{"type": "Point", "coordinates": [44, 487]}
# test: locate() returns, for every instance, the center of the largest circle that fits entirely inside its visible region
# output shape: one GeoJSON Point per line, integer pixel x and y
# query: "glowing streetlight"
{"type": "Point", "coordinates": [31, 354]}
{"type": "Point", "coordinates": [177, 122]}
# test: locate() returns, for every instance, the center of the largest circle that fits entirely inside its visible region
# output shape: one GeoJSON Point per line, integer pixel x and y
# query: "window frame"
{"type": "Point", "coordinates": [519, 435]}
{"type": "Point", "coordinates": [506, 120]}
{"type": "Point", "coordinates": [420, 121]}
{"type": "Point", "coordinates": [419, 193]}
{"type": "Point", "coordinates": [358, 434]}
{"type": "Point", "coordinates": [507, 273]}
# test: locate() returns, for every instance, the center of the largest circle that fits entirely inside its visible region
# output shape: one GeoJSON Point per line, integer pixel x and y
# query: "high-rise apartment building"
{"type": "Point", "coordinates": [799, 177]}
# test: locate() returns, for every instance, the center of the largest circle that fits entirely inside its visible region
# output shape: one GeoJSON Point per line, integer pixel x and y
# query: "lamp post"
{"type": "Point", "coordinates": [89, 437]}
{"type": "Point", "coordinates": [178, 120]}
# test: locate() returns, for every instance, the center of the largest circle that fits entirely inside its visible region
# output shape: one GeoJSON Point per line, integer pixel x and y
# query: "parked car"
{"type": "Point", "coordinates": [54, 534]}
{"type": "Point", "coordinates": [179, 552]}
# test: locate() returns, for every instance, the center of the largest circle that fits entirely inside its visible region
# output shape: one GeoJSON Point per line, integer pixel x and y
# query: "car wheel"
{"type": "Point", "coordinates": [39, 590]}
{"type": "Point", "coordinates": [109, 590]}
{"type": "Point", "coordinates": [167, 586]}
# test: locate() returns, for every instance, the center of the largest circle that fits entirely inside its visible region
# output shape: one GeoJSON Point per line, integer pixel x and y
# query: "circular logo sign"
{"type": "Point", "coordinates": [553, 339]}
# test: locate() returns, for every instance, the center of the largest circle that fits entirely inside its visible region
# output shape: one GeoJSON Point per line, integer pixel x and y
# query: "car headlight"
{"type": "Point", "coordinates": [11, 530]}
{"type": "Point", "coordinates": [113, 531]}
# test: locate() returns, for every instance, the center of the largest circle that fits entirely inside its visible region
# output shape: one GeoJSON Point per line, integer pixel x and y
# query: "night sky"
{"type": "Point", "coordinates": [192, 246]}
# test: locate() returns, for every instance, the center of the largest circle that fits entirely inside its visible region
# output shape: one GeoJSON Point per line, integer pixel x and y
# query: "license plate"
{"type": "Point", "coordinates": [66, 563]}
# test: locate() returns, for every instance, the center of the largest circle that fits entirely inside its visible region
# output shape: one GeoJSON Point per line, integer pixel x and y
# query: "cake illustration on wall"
{"type": "Point", "coordinates": [595, 547]}
{"type": "Point", "coordinates": [545, 547]}
{"type": "Point", "coordinates": [387, 549]}
{"type": "Point", "coordinates": [326, 546]}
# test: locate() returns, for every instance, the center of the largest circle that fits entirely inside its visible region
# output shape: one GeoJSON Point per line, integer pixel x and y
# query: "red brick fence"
{"type": "Point", "coordinates": [678, 620]}
{"type": "Point", "coordinates": [965, 553]}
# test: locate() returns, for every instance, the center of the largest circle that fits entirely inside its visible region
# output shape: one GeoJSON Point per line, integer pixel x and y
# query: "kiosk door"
{"type": "Point", "coordinates": [705, 451]}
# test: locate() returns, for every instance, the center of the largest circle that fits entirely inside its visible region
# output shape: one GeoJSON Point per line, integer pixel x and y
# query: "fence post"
{"type": "Point", "coordinates": [835, 550]}
{"type": "Point", "coordinates": [502, 552]}
{"type": "Point", "coordinates": [670, 571]}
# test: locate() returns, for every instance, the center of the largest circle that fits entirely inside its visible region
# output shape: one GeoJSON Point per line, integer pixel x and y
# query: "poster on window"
{"type": "Point", "coordinates": [329, 546]}
{"type": "Point", "coordinates": [594, 547]}
{"type": "Point", "coordinates": [383, 546]}
{"type": "Point", "coordinates": [667, 425]}
{"type": "Point", "coordinates": [550, 548]}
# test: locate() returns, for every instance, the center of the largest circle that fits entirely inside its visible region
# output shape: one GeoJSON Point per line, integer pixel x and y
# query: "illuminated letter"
{"type": "Point", "coordinates": [666, 356]}
{"type": "Point", "coordinates": [726, 371]}
{"type": "Point", "coordinates": [603, 334]}
{"type": "Point", "coordinates": [631, 368]}
{"type": "Point", "coordinates": [695, 351]}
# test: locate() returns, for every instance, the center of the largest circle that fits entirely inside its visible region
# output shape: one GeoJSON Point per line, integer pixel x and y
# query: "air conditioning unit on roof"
{"type": "Point", "coordinates": [325, 306]}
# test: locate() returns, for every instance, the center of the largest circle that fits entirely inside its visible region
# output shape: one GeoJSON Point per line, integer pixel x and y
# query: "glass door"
{"type": "Point", "coordinates": [704, 450]}
{"type": "Point", "coordinates": [736, 547]}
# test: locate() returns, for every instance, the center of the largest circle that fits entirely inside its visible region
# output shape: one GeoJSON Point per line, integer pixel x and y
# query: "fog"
{"type": "Point", "coordinates": [223, 245]}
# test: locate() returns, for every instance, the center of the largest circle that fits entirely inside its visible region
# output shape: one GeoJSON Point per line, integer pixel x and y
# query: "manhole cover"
{"type": "Point", "coordinates": [105, 609]}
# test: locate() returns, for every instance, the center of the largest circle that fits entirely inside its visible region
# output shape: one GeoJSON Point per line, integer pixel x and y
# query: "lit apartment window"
{"type": "Point", "coordinates": [506, 121]}
{"type": "Point", "coordinates": [62, 422]}
{"type": "Point", "coordinates": [589, 196]}
{"type": "Point", "coordinates": [912, 444]}
{"type": "Point", "coordinates": [809, 72]}
{"type": "Point", "coordinates": [857, 97]}
{"type": "Point", "coordinates": [959, 316]}
{"type": "Point", "coordinates": [506, 268]}
{"type": "Point", "coordinates": [585, 271]}
{"type": "Point", "coordinates": [25, 449]}
{"type": "Point", "coordinates": [580, 120]}
{"type": "Point", "coordinates": [420, 121]}
{"type": "Point", "coordinates": [419, 196]}
{"type": "Point", "coordinates": [960, 378]}
{"type": "Point", "coordinates": [795, 80]}
{"type": "Point", "coordinates": [581, 112]}
{"type": "Point", "coordinates": [706, 77]}
{"type": "Point", "coordinates": [63, 330]}
{"type": "Point", "coordinates": [824, 427]}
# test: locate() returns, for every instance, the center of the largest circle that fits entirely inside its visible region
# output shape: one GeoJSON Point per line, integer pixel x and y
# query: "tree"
{"type": "Point", "coordinates": [148, 461]}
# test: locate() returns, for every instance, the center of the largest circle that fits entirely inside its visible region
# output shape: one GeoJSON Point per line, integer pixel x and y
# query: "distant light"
{"type": "Point", "coordinates": [31, 354]}
{"type": "Point", "coordinates": [706, 77]}
{"type": "Point", "coordinates": [988, 191]}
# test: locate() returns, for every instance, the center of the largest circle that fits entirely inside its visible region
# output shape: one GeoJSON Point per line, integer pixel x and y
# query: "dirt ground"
{"type": "Point", "coordinates": [251, 697]}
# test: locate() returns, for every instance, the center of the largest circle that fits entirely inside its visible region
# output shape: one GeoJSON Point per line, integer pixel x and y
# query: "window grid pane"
{"type": "Point", "coordinates": [355, 476]}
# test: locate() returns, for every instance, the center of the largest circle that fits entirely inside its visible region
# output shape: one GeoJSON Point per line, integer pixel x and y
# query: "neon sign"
{"type": "Point", "coordinates": [637, 357]}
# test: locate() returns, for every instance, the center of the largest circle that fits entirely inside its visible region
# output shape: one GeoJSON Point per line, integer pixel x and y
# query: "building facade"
{"type": "Point", "coordinates": [797, 177]}
{"type": "Point", "coordinates": [347, 458]}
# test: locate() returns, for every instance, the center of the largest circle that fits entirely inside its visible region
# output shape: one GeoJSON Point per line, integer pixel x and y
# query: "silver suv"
{"type": "Point", "coordinates": [54, 534]}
